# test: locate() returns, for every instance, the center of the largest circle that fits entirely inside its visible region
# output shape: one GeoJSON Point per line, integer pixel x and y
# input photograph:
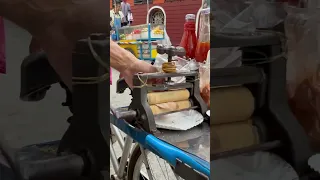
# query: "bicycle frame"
{"type": "Point", "coordinates": [160, 148]}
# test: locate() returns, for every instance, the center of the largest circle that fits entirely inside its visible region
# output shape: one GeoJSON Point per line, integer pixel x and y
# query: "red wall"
{"type": "Point", "coordinates": [175, 11]}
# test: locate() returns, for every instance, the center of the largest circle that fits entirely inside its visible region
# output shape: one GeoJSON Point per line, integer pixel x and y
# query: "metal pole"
{"type": "Point", "coordinates": [147, 6]}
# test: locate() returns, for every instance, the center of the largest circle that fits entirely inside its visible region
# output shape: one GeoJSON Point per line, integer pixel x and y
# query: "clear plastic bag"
{"type": "Point", "coordinates": [245, 16]}
{"type": "Point", "coordinates": [242, 16]}
{"type": "Point", "coordinates": [204, 70]}
{"type": "Point", "coordinates": [182, 65]}
{"type": "Point", "coordinates": [303, 70]}
{"type": "Point", "coordinates": [253, 166]}
{"type": "Point", "coordinates": [226, 57]}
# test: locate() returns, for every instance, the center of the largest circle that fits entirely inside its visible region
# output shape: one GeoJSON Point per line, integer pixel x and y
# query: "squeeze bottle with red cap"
{"type": "Point", "coordinates": [189, 38]}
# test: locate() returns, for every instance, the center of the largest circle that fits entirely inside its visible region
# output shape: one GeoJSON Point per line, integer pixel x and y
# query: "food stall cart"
{"type": "Point", "coordinates": [141, 40]}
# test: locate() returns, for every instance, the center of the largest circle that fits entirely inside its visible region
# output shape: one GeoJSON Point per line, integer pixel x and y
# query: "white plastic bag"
{"type": "Point", "coordinates": [181, 64]}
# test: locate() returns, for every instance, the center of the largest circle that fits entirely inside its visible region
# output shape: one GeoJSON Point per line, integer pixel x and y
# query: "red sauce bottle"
{"type": "Point", "coordinates": [189, 38]}
{"type": "Point", "coordinates": [201, 51]}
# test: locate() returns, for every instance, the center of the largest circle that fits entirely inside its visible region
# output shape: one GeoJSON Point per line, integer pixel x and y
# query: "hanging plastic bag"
{"type": "Point", "coordinates": [303, 69]}
{"type": "Point", "coordinates": [241, 16]}
{"type": "Point", "coordinates": [204, 71]}
{"type": "Point", "coordinates": [2, 48]}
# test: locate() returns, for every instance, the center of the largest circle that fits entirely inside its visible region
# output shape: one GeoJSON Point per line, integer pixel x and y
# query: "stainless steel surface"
{"type": "Point", "coordinates": [195, 141]}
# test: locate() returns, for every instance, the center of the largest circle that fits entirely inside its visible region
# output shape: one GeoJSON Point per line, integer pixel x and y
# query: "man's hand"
{"type": "Point", "coordinates": [127, 64]}
{"type": "Point", "coordinates": [137, 67]}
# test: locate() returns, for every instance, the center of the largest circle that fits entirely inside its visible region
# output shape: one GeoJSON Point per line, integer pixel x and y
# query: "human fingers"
{"type": "Point", "coordinates": [143, 67]}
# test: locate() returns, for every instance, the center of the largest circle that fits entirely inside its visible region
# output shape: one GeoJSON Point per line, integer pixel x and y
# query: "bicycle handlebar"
{"type": "Point", "coordinates": [127, 115]}
{"type": "Point", "coordinates": [62, 167]}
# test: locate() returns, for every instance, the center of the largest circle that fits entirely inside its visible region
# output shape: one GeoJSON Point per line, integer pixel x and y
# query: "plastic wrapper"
{"type": "Point", "coordinates": [182, 120]}
{"type": "Point", "coordinates": [204, 71]}
{"type": "Point", "coordinates": [303, 82]}
{"type": "Point", "coordinates": [246, 16]}
{"type": "Point", "coordinates": [2, 48]}
{"type": "Point", "coordinates": [181, 64]}
{"type": "Point", "coordinates": [226, 57]}
{"type": "Point", "coordinates": [241, 16]}
{"type": "Point", "coordinates": [253, 166]}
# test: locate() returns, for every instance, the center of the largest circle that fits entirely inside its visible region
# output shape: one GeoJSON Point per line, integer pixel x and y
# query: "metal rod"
{"type": "Point", "coordinates": [118, 135]}
{"type": "Point", "coordinates": [246, 150]}
{"type": "Point", "coordinates": [146, 163]}
{"type": "Point", "coordinates": [165, 87]}
{"type": "Point", "coordinates": [125, 156]}
{"type": "Point", "coordinates": [113, 158]}
{"type": "Point", "coordinates": [165, 75]}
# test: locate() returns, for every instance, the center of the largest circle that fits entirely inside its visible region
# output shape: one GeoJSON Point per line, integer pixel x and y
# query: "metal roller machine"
{"type": "Point", "coordinates": [143, 107]}
{"type": "Point", "coordinates": [257, 88]}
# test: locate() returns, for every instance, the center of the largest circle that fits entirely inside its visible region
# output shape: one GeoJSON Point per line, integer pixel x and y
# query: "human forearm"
{"type": "Point", "coordinates": [121, 59]}
{"type": "Point", "coordinates": [127, 64]}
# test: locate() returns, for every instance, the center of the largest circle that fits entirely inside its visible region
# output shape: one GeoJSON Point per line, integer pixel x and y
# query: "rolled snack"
{"type": "Point", "coordinates": [232, 136]}
{"type": "Point", "coordinates": [169, 107]}
{"type": "Point", "coordinates": [168, 96]}
{"type": "Point", "coordinates": [231, 104]}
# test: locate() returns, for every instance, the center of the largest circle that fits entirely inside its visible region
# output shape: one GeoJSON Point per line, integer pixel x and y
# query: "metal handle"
{"type": "Point", "coordinates": [171, 50]}
{"type": "Point", "coordinates": [121, 86]}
